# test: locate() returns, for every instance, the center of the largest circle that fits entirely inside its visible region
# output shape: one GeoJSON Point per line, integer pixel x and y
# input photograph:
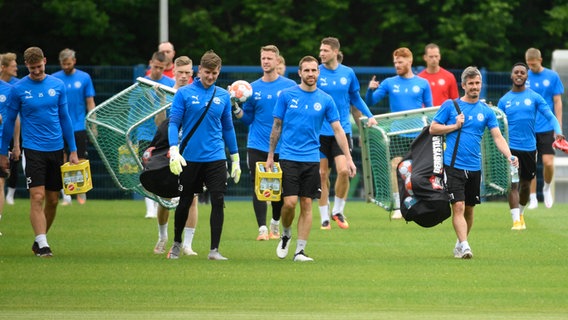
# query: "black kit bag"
{"type": "Point", "coordinates": [156, 176]}
{"type": "Point", "coordinates": [424, 198]}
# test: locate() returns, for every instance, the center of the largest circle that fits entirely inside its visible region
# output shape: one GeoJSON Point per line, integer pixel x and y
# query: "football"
{"type": "Point", "coordinates": [408, 185]}
{"type": "Point", "coordinates": [405, 168]}
{"type": "Point", "coordinates": [240, 90]}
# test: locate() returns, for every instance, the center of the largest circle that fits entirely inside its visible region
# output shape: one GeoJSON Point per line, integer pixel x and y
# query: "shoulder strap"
{"type": "Point", "coordinates": [186, 139]}
{"type": "Point", "coordinates": [458, 138]}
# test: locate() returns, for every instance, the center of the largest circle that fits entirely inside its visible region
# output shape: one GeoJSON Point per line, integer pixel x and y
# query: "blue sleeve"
{"type": "Point", "coordinates": [248, 112]}
{"type": "Point", "coordinates": [491, 119]}
{"type": "Point", "coordinates": [428, 100]}
{"type": "Point", "coordinates": [358, 102]}
{"type": "Point", "coordinates": [176, 116]}
{"type": "Point", "coordinates": [229, 135]}
{"type": "Point", "coordinates": [9, 122]}
{"type": "Point", "coordinates": [544, 109]}
{"type": "Point", "coordinates": [373, 97]}
{"type": "Point", "coordinates": [66, 123]}
{"type": "Point", "coordinates": [442, 116]}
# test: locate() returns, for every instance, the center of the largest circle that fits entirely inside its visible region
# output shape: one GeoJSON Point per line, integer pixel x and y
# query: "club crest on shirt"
{"type": "Point", "coordinates": [528, 102]}
{"type": "Point", "coordinates": [77, 84]}
{"type": "Point", "coordinates": [480, 117]}
{"type": "Point", "coordinates": [317, 106]}
{"type": "Point", "coordinates": [2, 98]}
{"type": "Point", "coordinates": [51, 92]}
{"type": "Point", "coordinates": [216, 100]}
{"type": "Point", "coordinates": [415, 89]}
{"type": "Point", "coordinates": [343, 80]}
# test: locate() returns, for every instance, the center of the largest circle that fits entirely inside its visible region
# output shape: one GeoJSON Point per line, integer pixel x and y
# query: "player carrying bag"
{"type": "Point", "coordinates": [426, 200]}
{"type": "Point", "coordinates": [156, 176]}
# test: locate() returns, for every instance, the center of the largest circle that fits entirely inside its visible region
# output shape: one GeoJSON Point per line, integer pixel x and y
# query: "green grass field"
{"type": "Point", "coordinates": [103, 268]}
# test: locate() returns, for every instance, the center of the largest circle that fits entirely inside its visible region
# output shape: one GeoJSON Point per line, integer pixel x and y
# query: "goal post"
{"type": "Point", "coordinates": [113, 128]}
{"type": "Point", "coordinates": [379, 142]}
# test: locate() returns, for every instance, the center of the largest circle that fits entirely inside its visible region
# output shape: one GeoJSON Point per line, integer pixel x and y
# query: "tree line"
{"type": "Point", "coordinates": [487, 33]}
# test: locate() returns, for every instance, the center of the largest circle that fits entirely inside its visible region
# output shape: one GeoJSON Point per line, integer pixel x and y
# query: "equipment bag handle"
{"type": "Point", "coordinates": [458, 138]}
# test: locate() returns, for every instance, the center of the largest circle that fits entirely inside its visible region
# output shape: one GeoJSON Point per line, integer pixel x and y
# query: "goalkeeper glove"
{"type": "Point", "coordinates": [235, 167]}
{"type": "Point", "coordinates": [176, 161]}
{"type": "Point", "coordinates": [235, 106]}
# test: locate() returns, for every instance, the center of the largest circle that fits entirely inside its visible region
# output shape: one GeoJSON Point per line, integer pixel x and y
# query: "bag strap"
{"type": "Point", "coordinates": [186, 139]}
{"type": "Point", "coordinates": [458, 138]}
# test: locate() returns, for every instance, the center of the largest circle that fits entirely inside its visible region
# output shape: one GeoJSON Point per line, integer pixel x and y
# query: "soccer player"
{"type": "Point", "coordinates": [281, 66]}
{"type": "Point", "coordinates": [521, 105]}
{"type": "Point", "coordinates": [167, 48]}
{"type": "Point", "coordinates": [406, 92]}
{"type": "Point", "coordinates": [205, 151]}
{"type": "Point", "coordinates": [464, 178]}
{"type": "Point", "coordinates": [145, 132]}
{"type": "Point", "coordinates": [41, 102]}
{"type": "Point", "coordinates": [9, 73]}
{"type": "Point", "coordinates": [547, 83]}
{"type": "Point", "coordinates": [80, 100]}
{"type": "Point", "coordinates": [5, 92]}
{"type": "Point", "coordinates": [442, 82]}
{"type": "Point", "coordinates": [257, 114]}
{"type": "Point", "coordinates": [341, 83]}
{"type": "Point", "coordinates": [298, 116]}
{"type": "Point", "coordinates": [183, 71]}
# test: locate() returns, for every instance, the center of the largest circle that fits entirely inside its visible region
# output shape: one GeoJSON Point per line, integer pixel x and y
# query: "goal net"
{"type": "Point", "coordinates": [376, 153]}
{"type": "Point", "coordinates": [122, 127]}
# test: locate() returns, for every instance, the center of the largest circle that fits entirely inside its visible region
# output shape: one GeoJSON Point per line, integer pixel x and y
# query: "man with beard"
{"type": "Point", "coordinates": [521, 106]}
{"type": "Point", "coordinates": [406, 91]}
{"type": "Point", "coordinates": [298, 116]}
{"type": "Point", "coordinates": [464, 177]}
{"type": "Point", "coordinates": [257, 114]}
{"type": "Point", "coordinates": [341, 83]}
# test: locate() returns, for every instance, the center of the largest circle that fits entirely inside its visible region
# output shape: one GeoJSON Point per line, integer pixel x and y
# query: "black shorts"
{"type": "Point", "coordinates": [44, 169]}
{"type": "Point", "coordinates": [544, 141]}
{"type": "Point", "coordinates": [254, 156]}
{"type": "Point", "coordinates": [463, 185]}
{"type": "Point", "coordinates": [329, 148]}
{"type": "Point", "coordinates": [197, 174]}
{"type": "Point", "coordinates": [399, 146]}
{"type": "Point", "coordinates": [527, 163]}
{"type": "Point", "coordinates": [300, 179]}
{"type": "Point", "coordinates": [81, 141]}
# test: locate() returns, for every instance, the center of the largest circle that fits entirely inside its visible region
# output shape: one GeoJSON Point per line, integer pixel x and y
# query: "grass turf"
{"type": "Point", "coordinates": [103, 268]}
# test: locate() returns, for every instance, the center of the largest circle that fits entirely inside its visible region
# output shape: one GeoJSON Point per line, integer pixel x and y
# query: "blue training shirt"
{"type": "Point", "coordinates": [478, 116]}
{"type": "Point", "coordinates": [302, 114]}
{"type": "Point", "coordinates": [404, 93]}
{"type": "Point", "coordinates": [44, 117]}
{"type": "Point", "coordinates": [547, 83]}
{"type": "Point", "coordinates": [5, 92]}
{"type": "Point", "coordinates": [79, 87]}
{"type": "Point", "coordinates": [343, 86]}
{"type": "Point", "coordinates": [521, 109]}
{"type": "Point", "coordinates": [257, 111]}
{"type": "Point", "coordinates": [208, 142]}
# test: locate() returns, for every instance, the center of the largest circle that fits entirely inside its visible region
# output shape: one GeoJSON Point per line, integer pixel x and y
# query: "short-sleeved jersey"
{"type": "Point", "coordinates": [257, 111]}
{"type": "Point", "coordinates": [343, 86]}
{"type": "Point", "coordinates": [443, 85]}
{"type": "Point", "coordinates": [79, 87]}
{"type": "Point", "coordinates": [208, 142]}
{"type": "Point", "coordinates": [44, 118]}
{"type": "Point", "coordinates": [302, 114]}
{"type": "Point", "coordinates": [547, 83]}
{"type": "Point", "coordinates": [478, 116]}
{"type": "Point", "coordinates": [521, 109]}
